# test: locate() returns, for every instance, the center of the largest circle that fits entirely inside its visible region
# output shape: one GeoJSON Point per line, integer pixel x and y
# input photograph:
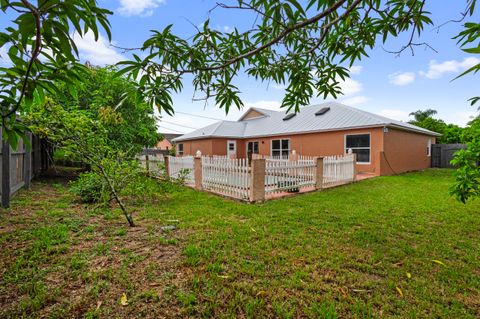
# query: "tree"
{"type": "Point", "coordinates": [129, 121]}
{"type": "Point", "coordinates": [451, 133]}
{"type": "Point", "coordinates": [78, 133]}
{"type": "Point", "coordinates": [420, 115]}
{"type": "Point", "coordinates": [42, 51]}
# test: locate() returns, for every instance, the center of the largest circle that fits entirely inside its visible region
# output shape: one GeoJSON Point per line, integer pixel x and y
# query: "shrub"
{"type": "Point", "coordinates": [89, 187]}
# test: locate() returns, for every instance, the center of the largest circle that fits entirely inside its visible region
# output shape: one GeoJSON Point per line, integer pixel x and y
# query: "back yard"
{"type": "Point", "coordinates": [394, 246]}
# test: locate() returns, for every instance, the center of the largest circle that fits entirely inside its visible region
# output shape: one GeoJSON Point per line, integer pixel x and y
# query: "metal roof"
{"type": "Point", "coordinates": [340, 117]}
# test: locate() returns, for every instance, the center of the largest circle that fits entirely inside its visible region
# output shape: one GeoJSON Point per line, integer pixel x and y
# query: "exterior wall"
{"type": "Point", "coordinates": [164, 145]}
{"type": "Point", "coordinates": [405, 151]}
{"type": "Point", "coordinates": [326, 144]}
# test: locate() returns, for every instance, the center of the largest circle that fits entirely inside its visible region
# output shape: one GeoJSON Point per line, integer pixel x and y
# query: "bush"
{"type": "Point", "coordinates": [89, 187]}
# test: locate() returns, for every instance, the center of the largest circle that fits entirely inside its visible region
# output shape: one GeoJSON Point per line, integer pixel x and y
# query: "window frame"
{"type": "Point", "coordinates": [369, 148]}
{"type": "Point", "coordinates": [429, 147]}
{"type": "Point", "coordinates": [180, 152]}
{"type": "Point", "coordinates": [281, 148]}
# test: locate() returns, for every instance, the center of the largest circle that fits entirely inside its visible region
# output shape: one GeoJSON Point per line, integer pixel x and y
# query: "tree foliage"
{"type": "Point", "coordinates": [451, 133]}
{"type": "Point", "coordinates": [42, 51]}
{"type": "Point", "coordinates": [113, 101]}
{"type": "Point", "coordinates": [88, 139]}
{"type": "Point", "coordinates": [305, 46]}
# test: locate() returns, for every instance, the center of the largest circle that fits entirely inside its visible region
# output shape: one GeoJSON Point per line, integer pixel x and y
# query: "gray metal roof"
{"type": "Point", "coordinates": [339, 117]}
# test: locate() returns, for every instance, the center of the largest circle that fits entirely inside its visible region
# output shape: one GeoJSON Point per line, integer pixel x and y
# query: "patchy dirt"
{"type": "Point", "coordinates": [58, 259]}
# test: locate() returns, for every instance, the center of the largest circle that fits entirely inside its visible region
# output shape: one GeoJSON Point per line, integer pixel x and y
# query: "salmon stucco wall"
{"type": "Point", "coordinates": [391, 152]}
{"type": "Point", "coordinates": [404, 151]}
{"type": "Point", "coordinates": [326, 144]}
{"type": "Point", "coordinates": [217, 146]}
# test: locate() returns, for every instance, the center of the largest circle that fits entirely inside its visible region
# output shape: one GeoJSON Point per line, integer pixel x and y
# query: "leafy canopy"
{"type": "Point", "coordinates": [42, 51]}
{"type": "Point", "coordinates": [113, 101]}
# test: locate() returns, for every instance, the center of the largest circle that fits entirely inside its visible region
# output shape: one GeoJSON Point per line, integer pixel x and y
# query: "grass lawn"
{"type": "Point", "coordinates": [386, 247]}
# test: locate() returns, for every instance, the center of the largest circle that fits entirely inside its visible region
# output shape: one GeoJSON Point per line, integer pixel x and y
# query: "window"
{"type": "Point", "coordinates": [180, 149]}
{"type": "Point", "coordinates": [281, 148]}
{"type": "Point", "coordinates": [360, 145]}
{"type": "Point", "coordinates": [252, 148]}
{"type": "Point", "coordinates": [429, 147]}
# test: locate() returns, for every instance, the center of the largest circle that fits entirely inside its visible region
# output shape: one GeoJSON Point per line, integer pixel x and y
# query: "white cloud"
{"type": "Point", "coordinates": [96, 52]}
{"type": "Point", "coordinates": [350, 86]}
{"type": "Point", "coordinates": [143, 8]}
{"type": "Point", "coordinates": [356, 69]}
{"type": "Point", "coordinates": [398, 115]}
{"type": "Point", "coordinates": [436, 69]}
{"type": "Point", "coordinates": [354, 100]}
{"type": "Point", "coordinates": [262, 104]}
{"type": "Point", "coordinates": [401, 78]}
{"type": "Point", "coordinates": [461, 118]}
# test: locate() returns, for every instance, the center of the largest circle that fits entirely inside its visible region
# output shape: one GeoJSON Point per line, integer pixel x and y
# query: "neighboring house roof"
{"type": "Point", "coordinates": [170, 136]}
{"type": "Point", "coordinates": [272, 123]}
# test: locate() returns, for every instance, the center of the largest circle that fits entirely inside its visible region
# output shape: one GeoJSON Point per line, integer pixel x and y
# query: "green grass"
{"type": "Point", "coordinates": [340, 253]}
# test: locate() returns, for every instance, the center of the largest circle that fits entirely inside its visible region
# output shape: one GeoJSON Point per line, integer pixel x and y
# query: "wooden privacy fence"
{"type": "Point", "coordinates": [262, 178]}
{"type": "Point", "coordinates": [19, 166]}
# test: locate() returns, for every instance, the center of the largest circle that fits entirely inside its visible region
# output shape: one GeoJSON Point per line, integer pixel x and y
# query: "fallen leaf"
{"type": "Point", "coordinates": [261, 293]}
{"type": "Point", "coordinates": [99, 304]}
{"type": "Point", "coordinates": [223, 276]}
{"type": "Point", "coordinates": [409, 275]}
{"type": "Point", "coordinates": [400, 292]}
{"type": "Point", "coordinates": [253, 229]}
{"type": "Point", "coordinates": [124, 300]}
{"type": "Point", "coordinates": [344, 293]}
{"type": "Point", "coordinates": [439, 262]}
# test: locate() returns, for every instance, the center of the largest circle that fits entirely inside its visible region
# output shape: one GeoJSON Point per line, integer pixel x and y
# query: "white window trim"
{"type": "Point", "coordinates": [281, 149]}
{"type": "Point", "coordinates": [178, 149]}
{"type": "Point", "coordinates": [359, 148]}
{"type": "Point", "coordinates": [234, 147]}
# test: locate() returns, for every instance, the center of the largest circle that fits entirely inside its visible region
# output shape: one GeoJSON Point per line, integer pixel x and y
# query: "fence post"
{"type": "Point", "coordinates": [354, 167]}
{"type": "Point", "coordinates": [257, 180]}
{"type": "Point", "coordinates": [147, 164]}
{"type": "Point", "coordinates": [5, 174]}
{"type": "Point", "coordinates": [27, 162]}
{"type": "Point", "coordinates": [319, 174]}
{"type": "Point", "coordinates": [166, 162]}
{"type": "Point", "coordinates": [197, 172]}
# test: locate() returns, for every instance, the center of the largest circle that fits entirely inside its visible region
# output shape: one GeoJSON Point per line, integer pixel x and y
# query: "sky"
{"type": "Point", "coordinates": [383, 83]}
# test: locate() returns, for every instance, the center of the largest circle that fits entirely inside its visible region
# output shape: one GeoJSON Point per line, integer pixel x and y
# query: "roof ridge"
{"type": "Point", "coordinates": [366, 113]}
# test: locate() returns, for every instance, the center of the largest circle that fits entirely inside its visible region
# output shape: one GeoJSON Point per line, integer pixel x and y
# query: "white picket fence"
{"type": "Point", "coordinates": [181, 166]}
{"type": "Point", "coordinates": [338, 170]}
{"type": "Point", "coordinates": [155, 164]}
{"type": "Point", "coordinates": [230, 177]}
{"type": "Point", "coordinates": [286, 175]}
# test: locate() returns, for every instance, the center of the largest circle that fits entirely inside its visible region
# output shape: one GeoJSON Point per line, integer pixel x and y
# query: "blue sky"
{"type": "Point", "coordinates": [384, 83]}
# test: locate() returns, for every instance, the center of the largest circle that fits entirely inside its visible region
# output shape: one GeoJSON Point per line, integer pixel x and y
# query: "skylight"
{"type": "Point", "coordinates": [322, 111]}
{"type": "Point", "coordinates": [289, 116]}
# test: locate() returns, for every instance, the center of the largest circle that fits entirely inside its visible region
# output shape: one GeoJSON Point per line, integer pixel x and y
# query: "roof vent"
{"type": "Point", "coordinates": [322, 111]}
{"type": "Point", "coordinates": [289, 116]}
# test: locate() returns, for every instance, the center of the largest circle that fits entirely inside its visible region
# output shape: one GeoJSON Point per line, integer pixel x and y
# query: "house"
{"type": "Point", "coordinates": [383, 146]}
{"type": "Point", "coordinates": [166, 144]}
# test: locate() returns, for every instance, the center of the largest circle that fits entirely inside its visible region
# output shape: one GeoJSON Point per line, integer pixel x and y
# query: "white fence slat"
{"type": "Point", "coordinates": [177, 165]}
